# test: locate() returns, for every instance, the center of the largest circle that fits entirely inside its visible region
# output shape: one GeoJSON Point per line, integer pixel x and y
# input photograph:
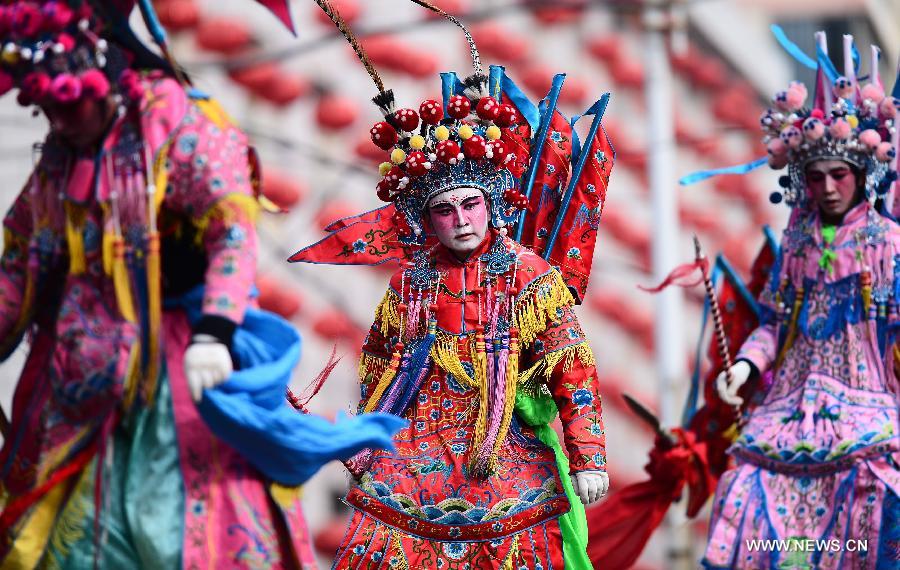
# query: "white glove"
{"type": "Point", "coordinates": [740, 373]}
{"type": "Point", "coordinates": [590, 485]}
{"type": "Point", "coordinates": [207, 363]}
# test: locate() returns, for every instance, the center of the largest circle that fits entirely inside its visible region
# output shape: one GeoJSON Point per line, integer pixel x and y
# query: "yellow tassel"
{"type": "Point", "coordinates": [511, 558]}
{"type": "Point", "coordinates": [154, 316]}
{"type": "Point", "coordinates": [75, 238]}
{"type": "Point", "coordinates": [132, 376]}
{"type": "Point", "coordinates": [538, 304]}
{"type": "Point", "coordinates": [792, 329]}
{"type": "Point", "coordinates": [479, 362]}
{"type": "Point", "coordinates": [386, 378]}
{"type": "Point", "coordinates": [371, 367]}
{"type": "Point", "coordinates": [109, 239]}
{"type": "Point", "coordinates": [386, 315]}
{"type": "Point", "coordinates": [512, 378]}
{"type": "Point", "coordinates": [120, 281]}
{"type": "Point", "coordinates": [161, 174]}
{"type": "Point", "coordinates": [446, 356]}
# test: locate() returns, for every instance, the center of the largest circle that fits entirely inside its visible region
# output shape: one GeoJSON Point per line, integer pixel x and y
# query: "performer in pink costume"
{"type": "Point", "coordinates": [818, 456]}
{"type": "Point", "coordinates": [129, 260]}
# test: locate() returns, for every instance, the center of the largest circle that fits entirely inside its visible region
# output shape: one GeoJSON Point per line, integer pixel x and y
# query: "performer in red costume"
{"type": "Point", "coordinates": [476, 342]}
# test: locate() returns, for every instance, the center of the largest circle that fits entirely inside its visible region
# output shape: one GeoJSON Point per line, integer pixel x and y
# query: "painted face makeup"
{"type": "Point", "coordinates": [834, 187]}
{"type": "Point", "coordinates": [459, 218]}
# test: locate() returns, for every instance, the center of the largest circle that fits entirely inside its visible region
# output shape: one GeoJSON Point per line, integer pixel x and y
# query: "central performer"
{"type": "Point", "coordinates": [476, 342]}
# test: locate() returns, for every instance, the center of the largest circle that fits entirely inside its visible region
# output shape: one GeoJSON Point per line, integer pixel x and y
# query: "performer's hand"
{"type": "Point", "coordinates": [740, 372]}
{"type": "Point", "coordinates": [590, 485]}
{"type": "Point", "coordinates": [207, 363]}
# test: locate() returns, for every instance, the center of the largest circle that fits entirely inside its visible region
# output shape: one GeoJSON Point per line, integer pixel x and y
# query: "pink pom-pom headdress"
{"type": "Point", "coordinates": [845, 121]}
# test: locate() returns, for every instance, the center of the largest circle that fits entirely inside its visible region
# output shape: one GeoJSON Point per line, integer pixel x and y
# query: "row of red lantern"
{"type": "Point", "coordinates": [705, 72]}
{"type": "Point", "coordinates": [537, 79]}
{"type": "Point", "coordinates": [330, 324]}
{"type": "Point", "coordinates": [623, 229]}
{"type": "Point", "coordinates": [500, 44]}
{"type": "Point", "coordinates": [624, 69]}
{"type": "Point", "coordinates": [283, 190]}
{"type": "Point", "coordinates": [633, 319]}
{"type": "Point", "coordinates": [389, 53]}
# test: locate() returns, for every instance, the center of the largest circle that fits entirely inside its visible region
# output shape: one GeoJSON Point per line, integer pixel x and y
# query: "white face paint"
{"type": "Point", "coordinates": [459, 218]}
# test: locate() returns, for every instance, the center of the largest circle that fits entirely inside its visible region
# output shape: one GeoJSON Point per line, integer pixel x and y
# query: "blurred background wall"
{"type": "Point", "coordinates": [305, 102]}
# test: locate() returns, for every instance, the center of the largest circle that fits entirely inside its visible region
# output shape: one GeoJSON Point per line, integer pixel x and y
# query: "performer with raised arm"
{"type": "Point", "coordinates": [476, 342]}
{"type": "Point", "coordinates": [817, 458]}
{"type": "Point", "coordinates": [129, 260]}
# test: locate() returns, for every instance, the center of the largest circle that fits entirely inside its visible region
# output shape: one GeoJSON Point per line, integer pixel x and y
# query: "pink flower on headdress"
{"type": "Point", "coordinates": [776, 148]}
{"type": "Point", "coordinates": [791, 136]}
{"type": "Point", "coordinates": [6, 83]}
{"type": "Point", "coordinates": [35, 86]}
{"type": "Point", "coordinates": [796, 96]}
{"type": "Point", "coordinates": [57, 16]}
{"type": "Point", "coordinates": [813, 128]}
{"type": "Point", "coordinates": [66, 41]}
{"type": "Point", "coordinates": [27, 20]}
{"type": "Point", "coordinates": [840, 129]}
{"type": "Point", "coordinates": [870, 138]}
{"type": "Point", "coordinates": [66, 88]}
{"type": "Point", "coordinates": [872, 92]}
{"type": "Point", "coordinates": [887, 109]}
{"type": "Point", "coordinates": [885, 152]}
{"type": "Point", "coordinates": [94, 84]}
{"type": "Point", "coordinates": [843, 87]}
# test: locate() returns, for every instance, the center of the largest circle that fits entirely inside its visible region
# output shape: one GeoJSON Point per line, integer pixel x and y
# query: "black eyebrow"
{"type": "Point", "coordinates": [470, 198]}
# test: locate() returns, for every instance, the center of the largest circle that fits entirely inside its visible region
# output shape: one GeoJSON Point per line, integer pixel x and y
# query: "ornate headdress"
{"type": "Point", "coordinates": [431, 152]}
{"type": "Point", "coordinates": [487, 134]}
{"type": "Point", "coordinates": [54, 51]}
{"type": "Point", "coordinates": [848, 122]}
{"type": "Point", "coordinates": [60, 50]}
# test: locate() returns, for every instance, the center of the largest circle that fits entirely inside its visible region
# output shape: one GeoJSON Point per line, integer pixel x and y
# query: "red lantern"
{"type": "Point", "coordinates": [574, 91]}
{"type": "Point", "coordinates": [284, 90]}
{"type": "Point", "coordinates": [606, 49]}
{"type": "Point", "coordinates": [333, 325]}
{"type": "Point", "coordinates": [420, 64]}
{"type": "Point", "coordinates": [455, 7]}
{"type": "Point", "coordinates": [350, 10]}
{"type": "Point", "coordinates": [628, 73]}
{"type": "Point", "coordinates": [283, 190]}
{"type": "Point", "coordinates": [333, 211]}
{"type": "Point", "coordinates": [256, 77]}
{"type": "Point", "coordinates": [334, 112]}
{"type": "Point", "coordinates": [223, 35]}
{"type": "Point", "coordinates": [537, 79]}
{"type": "Point", "coordinates": [365, 149]}
{"type": "Point", "coordinates": [275, 297]}
{"type": "Point", "coordinates": [500, 44]}
{"type": "Point", "coordinates": [551, 15]}
{"type": "Point", "coordinates": [178, 15]}
{"type": "Point", "coordinates": [328, 540]}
